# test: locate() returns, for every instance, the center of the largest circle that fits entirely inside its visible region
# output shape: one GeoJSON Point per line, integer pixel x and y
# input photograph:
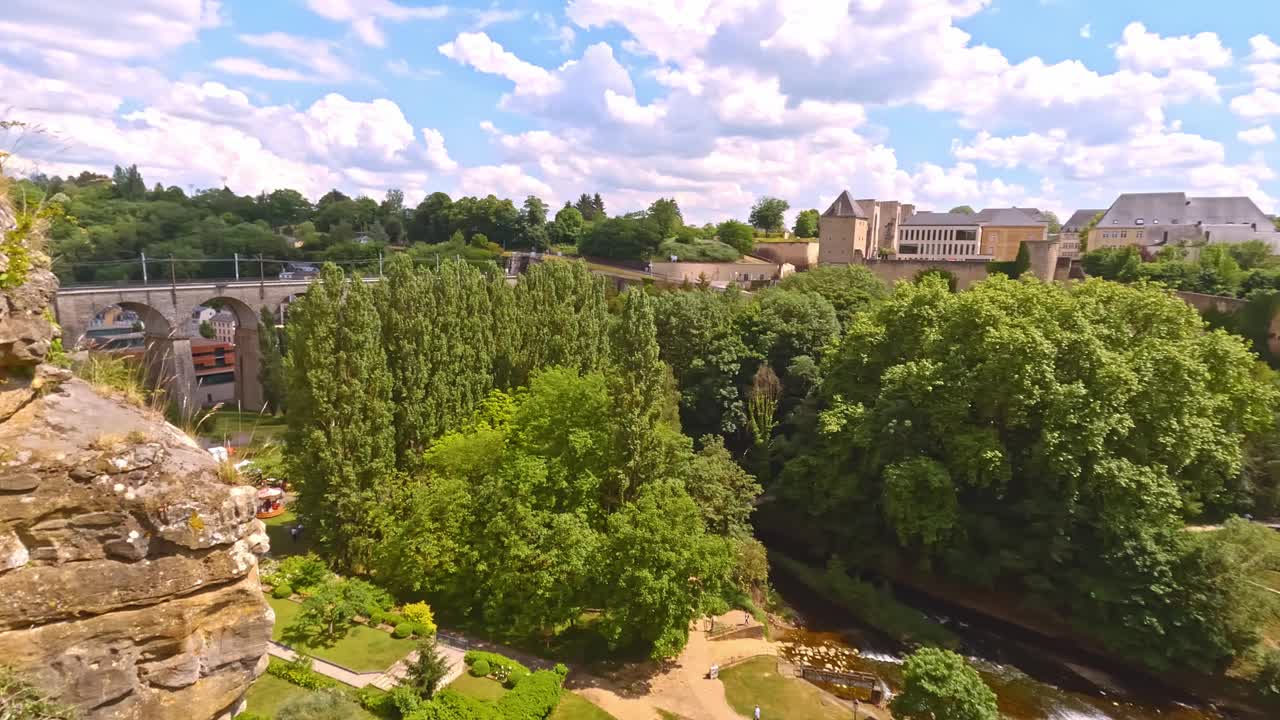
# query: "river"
{"type": "Point", "coordinates": [1031, 682]}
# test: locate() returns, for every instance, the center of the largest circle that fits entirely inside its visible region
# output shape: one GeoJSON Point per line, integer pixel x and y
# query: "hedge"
{"type": "Point", "coordinates": [480, 668]}
{"type": "Point", "coordinates": [501, 666]}
{"type": "Point", "coordinates": [452, 705]}
{"type": "Point", "coordinates": [403, 630]}
{"type": "Point", "coordinates": [298, 672]}
{"type": "Point", "coordinates": [281, 592]}
{"type": "Point", "coordinates": [533, 698]}
{"type": "Point", "coordinates": [391, 618]}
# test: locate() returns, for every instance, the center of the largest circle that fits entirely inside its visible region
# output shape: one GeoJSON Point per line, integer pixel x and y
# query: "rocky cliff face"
{"type": "Point", "coordinates": [128, 570]}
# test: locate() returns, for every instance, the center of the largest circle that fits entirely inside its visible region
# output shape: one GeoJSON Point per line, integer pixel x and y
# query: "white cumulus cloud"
{"type": "Point", "coordinates": [1260, 135]}
{"type": "Point", "coordinates": [1141, 49]}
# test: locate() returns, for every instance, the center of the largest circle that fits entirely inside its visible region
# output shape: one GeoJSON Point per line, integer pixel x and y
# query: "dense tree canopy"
{"type": "Point", "coordinates": [1052, 437]}
{"type": "Point", "coordinates": [769, 213]}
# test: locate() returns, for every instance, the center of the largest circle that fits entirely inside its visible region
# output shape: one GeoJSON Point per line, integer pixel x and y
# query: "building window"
{"type": "Point", "coordinates": [1139, 234]}
{"type": "Point", "coordinates": [1155, 221]}
{"type": "Point", "coordinates": [1138, 221]}
{"type": "Point", "coordinates": [1124, 234]}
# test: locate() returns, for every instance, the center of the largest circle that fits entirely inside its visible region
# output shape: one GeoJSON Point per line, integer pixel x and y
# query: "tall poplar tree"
{"type": "Point", "coordinates": [341, 439]}
{"type": "Point", "coordinates": [643, 391]}
{"type": "Point", "coordinates": [563, 319]}
{"type": "Point", "coordinates": [439, 336]}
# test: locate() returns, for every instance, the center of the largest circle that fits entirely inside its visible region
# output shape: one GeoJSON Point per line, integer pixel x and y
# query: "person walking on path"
{"type": "Point", "coordinates": [757, 712]}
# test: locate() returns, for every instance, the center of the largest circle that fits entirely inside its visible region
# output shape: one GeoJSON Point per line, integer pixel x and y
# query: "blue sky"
{"type": "Point", "coordinates": [1059, 104]}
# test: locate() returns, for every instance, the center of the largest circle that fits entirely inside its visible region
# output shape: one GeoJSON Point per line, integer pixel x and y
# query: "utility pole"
{"type": "Point", "coordinates": [173, 272]}
{"type": "Point", "coordinates": [262, 278]}
{"type": "Point", "coordinates": [144, 268]}
{"type": "Point", "coordinates": [379, 265]}
{"type": "Point", "coordinates": [237, 261]}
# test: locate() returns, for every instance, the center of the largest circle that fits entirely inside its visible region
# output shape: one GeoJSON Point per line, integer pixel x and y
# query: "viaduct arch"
{"type": "Point", "coordinates": [164, 312]}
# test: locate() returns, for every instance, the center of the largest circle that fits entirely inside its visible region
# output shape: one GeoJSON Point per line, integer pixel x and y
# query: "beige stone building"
{"type": "Point", "coordinates": [1072, 243]}
{"type": "Point", "coordinates": [853, 230]}
{"type": "Point", "coordinates": [1159, 219]}
{"type": "Point", "coordinates": [803, 254]}
{"type": "Point", "coordinates": [1005, 229]}
{"type": "Point", "coordinates": [746, 271]}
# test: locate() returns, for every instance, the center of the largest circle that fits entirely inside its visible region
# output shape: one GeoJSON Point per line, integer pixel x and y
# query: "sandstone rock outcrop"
{"type": "Point", "coordinates": [128, 569]}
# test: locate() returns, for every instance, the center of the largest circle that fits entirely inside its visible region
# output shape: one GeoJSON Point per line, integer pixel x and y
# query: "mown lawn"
{"type": "Point", "coordinates": [479, 688]}
{"type": "Point", "coordinates": [282, 543]}
{"type": "Point", "coordinates": [269, 693]}
{"type": "Point", "coordinates": [571, 707]}
{"type": "Point", "coordinates": [757, 682]}
{"type": "Point", "coordinates": [576, 707]}
{"type": "Point", "coordinates": [363, 649]}
{"type": "Point", "coordinates": [226, 422]}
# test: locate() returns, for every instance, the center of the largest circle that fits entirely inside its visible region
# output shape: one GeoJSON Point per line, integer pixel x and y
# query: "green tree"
{"type": "Point", "coordinates": [431, 221]}
{"type": "Point", "coordinates": [341, 436]}
{"type": "Point", "coordinates": [625, 237]}
{"type": "Point", "coordinates": [698, 338]}
{"type": "Point", "coordinates": [651, 596]}
{"type": "Point", "coordinates": [1117, 263]}
{"type": "Point", "coordinates": [962, 210]}
{"type": "Point", "coordinates": [1252, 254]}
{"type": "Point", "coordinates": [1016, 267]}
{"type": "Point", "coordinates": [439, 339]}
{"type": "Point", "coordinates": [270, 362]}
{"type": "Point", "coordinates": [329, 610]}
{"type": "Point", "coordinates": [427, 670]}
{"type": "Point", "coordinates": [666, 217]}
{"type": "Point", "coordinates": [807, 224]}
{"type": "Point", "coordinates": [725, 493]}
{"type": "Point", "coordinates": [737, 235]}
{"type": "Point", "coordinates": [940, 685]}
{"type": "Point", "coordinates": [206, 330]}
{"type": "Point", "coordinates": [642, 387]}
{"type": "Point", "coordinates": [567, 227]}
{"type": "Point", "coordinates": [533, 224]}
{"type": "Point", "coordinates": [769, 213]}
{"type": "Point", "coordinates": [565, 320]}
{"type": "Point", "coordinates": [849, 288]}
{"type": "Point", "coordinates": [784, 325]}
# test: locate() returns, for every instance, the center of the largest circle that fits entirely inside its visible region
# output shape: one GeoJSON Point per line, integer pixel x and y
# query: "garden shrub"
{"type": "Point", "coordinates": [375, 701]}
{"type": "Point", "coordinates": [298, 672]}
{"type": "Point", "coordinates": [421, 614]}
{"type": "Point", "coordinates": [452, 705]}
{"type": "Point", "coordinates": [390, 618]}
{"type": "Point", "coordinates": [502, 666]}
{"type": "Point", "coordinates": [403, 630]}
{"type": "Point", "coordinates": [516, 675]}
{"type": "Point", "coordinates": [301, 571]}
{"type": "Point", "coordinates": [405, 699]}
{"type": "Point", "coordinates": [534, 698]}
{"type": "Point", "coordinates": [377, 617]}
{"type": "Point", "coordinates": [281, 592]}
{"type": "Point", "coordinates": [1268, 678]}
{"type": "Point", "coordinates": [422, 631]}
{"type": "Point", "coordinates": [480, 668]}
{"type": "Point", "coordinates": [561, 669]}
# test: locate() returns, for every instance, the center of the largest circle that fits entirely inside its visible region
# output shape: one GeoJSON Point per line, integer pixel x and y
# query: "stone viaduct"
{"type": "Point", "coordinates": [165, 311]}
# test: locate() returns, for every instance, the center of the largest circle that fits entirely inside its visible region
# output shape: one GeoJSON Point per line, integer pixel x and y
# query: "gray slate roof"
{"type": "Point", "coordinates": [1010, 216]}
{"type": "Point", "coordinates": [935, 218]}
{"type": "Point", "coordinates": [1079, 219]}
{"type": "Point", "coordinates": [1166, 208]}
{"type": "Point", "coordinates": [1223, 210]}
{"type": "Point", "coordinates": [846, 206]}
